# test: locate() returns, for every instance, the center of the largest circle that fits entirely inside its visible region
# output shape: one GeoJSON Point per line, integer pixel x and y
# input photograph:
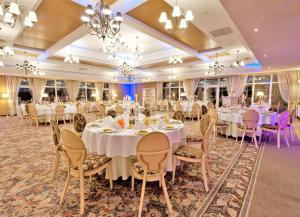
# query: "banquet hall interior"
{"type": "Point", "coordinates": [150, 108]}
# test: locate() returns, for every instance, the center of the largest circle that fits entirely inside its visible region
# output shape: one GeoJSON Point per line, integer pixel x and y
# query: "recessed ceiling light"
{"type": "Point", "coordinates": [269, 67]}
{"type": "Point", "coordinates": [256, 30]}
{"type": "Point", "coordinates": [265, 55]}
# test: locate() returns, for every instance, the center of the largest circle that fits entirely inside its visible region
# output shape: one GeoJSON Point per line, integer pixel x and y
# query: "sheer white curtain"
{"type": "Point", "coordinates": [190, 87]}
{"type": "Point", "coordinates": [12, 84]}
{"type": "Point", "coordinates": [99, 90]}
{"type": "Point", "coordinates": [289, 87]}
{"type": "Point", "coordinates": [72, 88]}
{"type": "Point", "coordinates": [159, 90]}
{"type": "Point", "coordinates": [37, 86]}
{"type": "Point", "coordinates": [236, 85]}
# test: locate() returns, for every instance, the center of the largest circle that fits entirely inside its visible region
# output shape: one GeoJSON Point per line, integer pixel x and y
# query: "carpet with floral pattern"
{"type": "Point", "coordinates": [28, 189]}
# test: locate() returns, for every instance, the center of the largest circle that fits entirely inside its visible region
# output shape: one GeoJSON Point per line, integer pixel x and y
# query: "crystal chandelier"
{"type": "Point", "coordinates": [137, 50]}
{"type": "Point", "coordinates": [11, 12]}
{"type": "Point", "coordinates": [216, 68]}
{"type": "Point", "coordinates": [71, 59]}
{"type": "Point", "coordinates": [175, 60]}
{"type": "Point", "coordinates": [179, 21]}
{"type": "Point", "coordinates": [114, 46]}
{"type": "Point", "coordinates": [5, 51]}
{"type": "Point", "coordinates": [100, 21]}
{"type": "Point", "coordinates": [26, 67]}
{"type": "Point", "coordinates": [238, 63]}
{"type": "Point", "coordinates": [124, 69]}
{"type": "Point", "coordinates": [37, 72]}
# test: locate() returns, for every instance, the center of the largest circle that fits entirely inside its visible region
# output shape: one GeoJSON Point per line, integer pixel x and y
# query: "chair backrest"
{"type": "Point", "coordinates": [27, 108]}
{"type": "Point", "coordinates": [213, 115]}
{"type": "Point", "coordinates": [60, 110]}
{"type": "Point", "coordinates": [152, 151]}
{"type": "Point", "coordinates": [205, 130]}
{"type": "Point", "coordinates": [210, 105]}
{"type": "Point", "coordinates": [250, 119]}
{"type": "Point", "coordinates": [179, 107]}
{"type": "Point", "coordinates": [292, 116]}
{"type": "Point", "coordinates": [100, 110]}
{"type": "Point", "coordinates": [32, 111]}
{"type": "Point", "coordinates": [19, 111]}
{"type": "Point", "coordinates": [79, 122]}
{"type": "Point", "coordinates": [119, 110]}
{"type": "Point", "coordinates": [203, 110]}
{"type": "Point", "coordinates": [74, 148]}
{"type": "Point", "coordinates": [178, 115]}
{"type": "Point", "coordinates": [79, 108]}
{"type": "Point", "coordinates": [147, 112]}
{"type": "Point", "coordinates": [112, 113]}
{"type": "Point", "coordinates": [283, 119]}
{"type": "Point", "coordinates": [55, 132]}
{"type": "Point", "coordinates": [196, 108]}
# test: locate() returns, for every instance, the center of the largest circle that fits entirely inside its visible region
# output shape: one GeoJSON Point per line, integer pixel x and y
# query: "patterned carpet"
{"type": "Point", "coordinates": [28, 189]}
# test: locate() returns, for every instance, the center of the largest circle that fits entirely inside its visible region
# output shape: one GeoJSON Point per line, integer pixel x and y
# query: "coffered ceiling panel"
{"type": "Point", "coordinates": [56, 19]}
{"type": "Point", "coordinates": [192, 36]}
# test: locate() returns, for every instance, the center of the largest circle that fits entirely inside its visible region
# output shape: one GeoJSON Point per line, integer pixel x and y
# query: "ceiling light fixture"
{"type": "Point", "coordinates": [100, 20]}
{"type": "Point", "coordinates": [256, 30]}
{"type": "Point", "coordinates": [26, 67]}
{"type": "Point", "coordinates": [137, 50]}
{"type": "Point", "coordinates": [175, 60]}
{"type": "Point", "coordinates": [179, 21]}
{"type": "Point", "coordinates": [11, 12]}
{"type": "Point", "coordinates": [70, 59]}
{"type": "Point", "coordinates": [216, 68]}
{"type": "Point", "coordinates": [124, 69]}
{"type": "Point", "coordinates": [238, 63]}
{"type": "Point", "coordinates": [5, 51]}
{"type": "Point", "coordinates": [114, 46]}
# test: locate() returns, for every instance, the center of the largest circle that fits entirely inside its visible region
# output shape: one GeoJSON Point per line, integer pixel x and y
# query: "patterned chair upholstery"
{"type": "Point", "coordinates": [139, 168]}
{"type": "Point", "coordinates": [190, 152]}
{"type": "Point", "coordinates": [93, 161]}
{"type": "Point", "coordinates": [204, 110]}
{"type": "Point", "coordinates": [147, 112]}
{"type": "Point", "coordinates": [79, 122]}
{"type": "Point", "coordinates": [179, 115]}
{"type": "Point", "coordinates": [112, 113]}
{"type": "Point", "coordinates": [55, 132]}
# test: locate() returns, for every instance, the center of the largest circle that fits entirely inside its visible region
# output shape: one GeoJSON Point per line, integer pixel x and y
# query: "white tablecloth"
{"type": "Point", "coordinates": [122, 145]}
{"type": "Point", "coordinates": [234, 118]}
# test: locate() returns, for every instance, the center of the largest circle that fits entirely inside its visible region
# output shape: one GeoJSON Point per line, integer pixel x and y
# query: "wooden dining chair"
{"type": "Point", "coordinates": [79, 123]}
{"type": "Point", "coordinates": [58, 150]}
{"type": "Point", "coordinates": [290, 124]}
{"type": "Point", "coordinates": [281, 126]}
{"type": "Point", "coordinates": [34, 116]}
{"type": "Point", "coordinates": [150, 164]}
{"type": "Point", "coordinates": [59, 114]}
{"type": "Point", "coordinates": [81, 164]}
{"type": "Point", "coordinates": [217, 125]}
{"type": "Point", "coordinates": [249, 126]}
{"type": "Point", "coordinates": [119, 110]}
{"type": "Point", "coordinates": [100, 111]}
{"type": "Point", "coordinates": [196, 154]}
{"type": "Point", "coordinates": [21, 115]}
{"type": "Point", "coordinates": [195, 113]}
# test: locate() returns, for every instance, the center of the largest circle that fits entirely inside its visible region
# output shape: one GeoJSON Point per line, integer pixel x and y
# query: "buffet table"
{"type": "Point", "coordinates": [234, 118]}
{"type": "Point", "coordinates": [121, 145]}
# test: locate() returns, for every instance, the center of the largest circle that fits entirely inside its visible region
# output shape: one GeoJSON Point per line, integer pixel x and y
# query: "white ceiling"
{"type": "Point", "coordinates": [209, 15]}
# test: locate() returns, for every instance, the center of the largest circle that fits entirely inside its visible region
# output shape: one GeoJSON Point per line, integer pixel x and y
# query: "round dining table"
{"type": "Point", "coordinates": [121, 145]}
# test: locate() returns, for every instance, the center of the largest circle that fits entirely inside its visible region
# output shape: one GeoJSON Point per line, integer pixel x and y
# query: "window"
{"type": "Point", "coordinates": [87, 91]}
{"type": "Point", "coordinates": [56, 89]}
{"type": "Point", "coordinates": [24, 94]}
{"type": "Point", "coordinates": [172, 90]}
{"type": "Point", "coordinates": [276, 98]}
{"type": "Point", "coordinates": [106, 92]}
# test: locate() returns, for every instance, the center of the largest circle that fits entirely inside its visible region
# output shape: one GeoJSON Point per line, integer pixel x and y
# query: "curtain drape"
{"type": "Point", "coordinates": [72, 88]}
{"type": "Point", "coordinates": [236, 85]}
{"type": "Point", "coordinates": [190, 87]}
{"type": "Point", "coordinates": [99, 90]}
{"type": "Point", "coordinates": [289, 87]}
{"type": "Point", "coordinates": [37, 86]}
{"type": "Point", "coordinates": [159, 90]}
{"type": "Point", "coordinates": [12, 84]}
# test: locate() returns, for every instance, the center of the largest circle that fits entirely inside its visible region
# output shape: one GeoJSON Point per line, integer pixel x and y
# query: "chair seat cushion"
{"type": "Point", "coordinates": [59, 147]}
{"type": "Point", "coordinates": [93, 161]}
{"type": "Point", "coordinates": [194, 138]}
{"type": "Point", "coordinates": [221, 124]}
{"type": "Point", "coordinates": [189, 152]}
{"type": "Point", "coordinates": [139, 168]}
{"type": "Point", "coordinates": [269, 127]}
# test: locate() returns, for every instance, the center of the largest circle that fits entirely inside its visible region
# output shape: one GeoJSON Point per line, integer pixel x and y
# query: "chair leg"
{"type": "Point", "coordinates": [291, 133]}
{"type": "Point", "coordinates": [260, 137]}
{"type": "Point", "coordinates": [81, 192]}
{"type": "Point", "coordinates": [66, 187]}
{"type": "Point", "coordinates": [255, 140]}
{"type": "Point", "coordinates": [37, 123]}
{"type": "Point", "coordinates": [142, 197]}
{"type": "Point", "coordinates": [286, 139]}
{"type": "Point", "coordinates": [132, 181]}
{"type": "Point", "coordinates": [56, 161]}
{"type": "Point", "coordinates": [244, 133]}
{"type": "Point", "coordinates": [215, 132]}
{"type": "Point", "coordinates": [164, 187]}
{"type": "Point", "coordinates": [174, 168]}
{"type": "Point", "coordinates": [110, 176]}
{"type": "Point", "coordinates": [204, 174]}
{"type": "Point", "coordinates": [278, 139]}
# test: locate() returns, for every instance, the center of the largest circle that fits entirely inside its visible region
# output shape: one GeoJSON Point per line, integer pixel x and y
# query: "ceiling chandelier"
{"type": "Point", "coordinates": [238, 63]}
{"type": "Point", "coordinates": [71, 59]}
{"type": "Point", "coordinates": [179, 21]}
{"type": "Point", "coordinates": [5, 51]}
{"type": "Point", "coordinates": [26, 67]}
{"type": "Point", "coordinates": [124, 69]}
{"type": "Point", "coordinates": [216, 68]}
{"type": "Point", "coordinates": [175, 60]}
{"type": "Point", "coordinates": [100, 21]}
{"type": "Point", "coordinates": [11, 12]}
{"type": "Point", "coordinates": [37, 72]}
{"type": "Point", "coordinates": [137, 50]}
{"type": "Point", "coordinates": [114, 46]}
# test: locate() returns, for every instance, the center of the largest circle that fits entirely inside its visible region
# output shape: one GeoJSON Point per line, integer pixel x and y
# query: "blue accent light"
{"type": "Point", "coordinates": [128, 89]}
